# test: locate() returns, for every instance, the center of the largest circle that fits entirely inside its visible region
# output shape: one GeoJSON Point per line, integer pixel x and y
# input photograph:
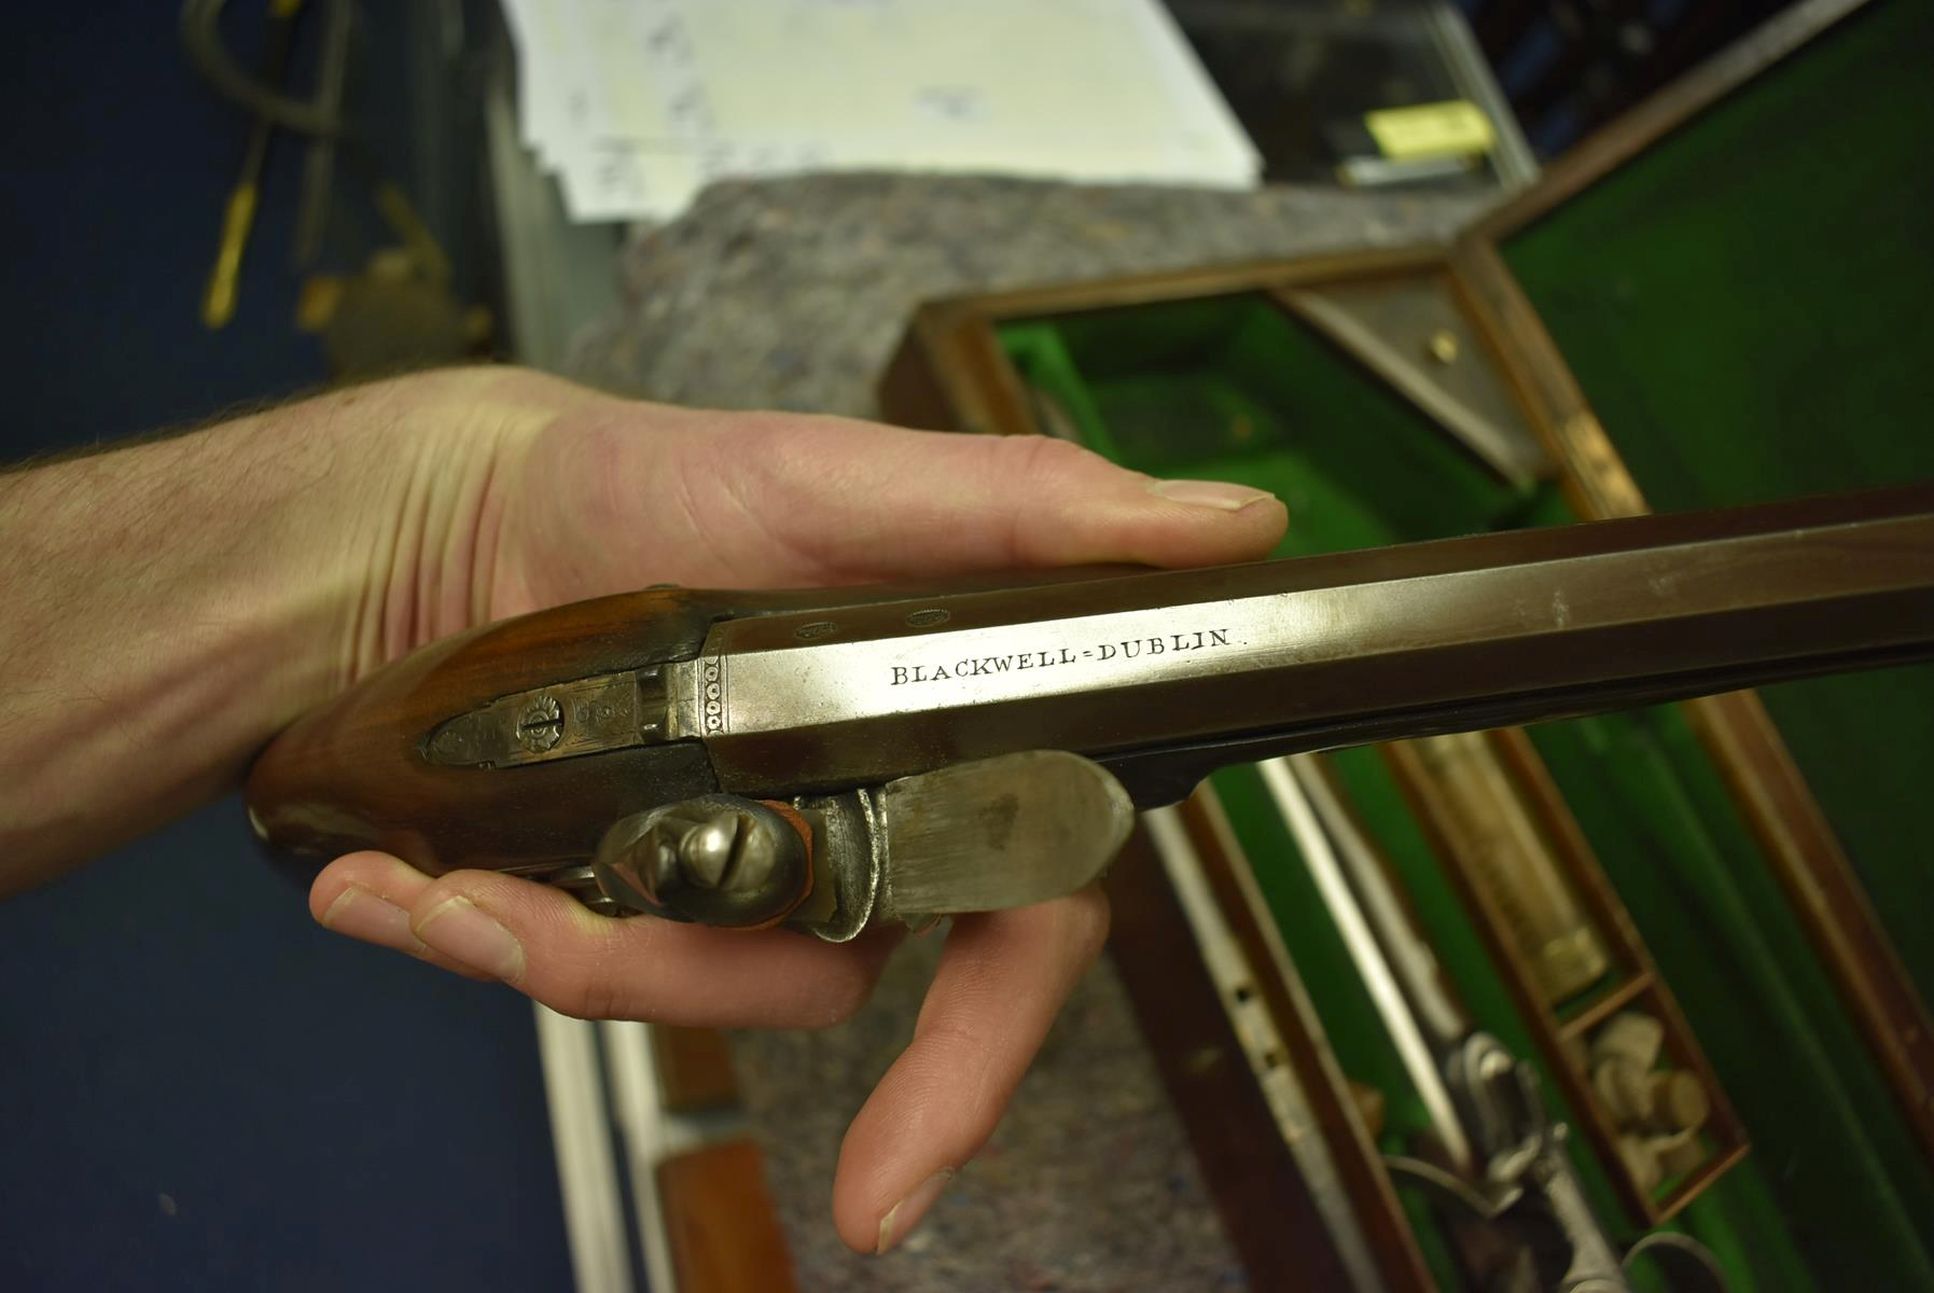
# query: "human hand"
{"type": "Point", "coordinates": [407, 511]}
{"type": "Point", "coordinates": [606, 495]}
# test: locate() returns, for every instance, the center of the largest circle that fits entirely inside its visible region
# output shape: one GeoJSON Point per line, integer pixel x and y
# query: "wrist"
{"type": "Point", "coordinates": [179, 601]}
{"type": "Point", "coordinates": [449, 448]}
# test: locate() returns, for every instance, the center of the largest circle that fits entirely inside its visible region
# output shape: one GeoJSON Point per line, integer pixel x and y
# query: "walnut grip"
{"type": "Point", "coordinates": [358, 773]}
{"type": "Point", "coordinates": [379, 767]}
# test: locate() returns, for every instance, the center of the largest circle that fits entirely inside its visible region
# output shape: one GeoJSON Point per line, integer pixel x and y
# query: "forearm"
{"type": "Point", "coordinates": [171, 605]}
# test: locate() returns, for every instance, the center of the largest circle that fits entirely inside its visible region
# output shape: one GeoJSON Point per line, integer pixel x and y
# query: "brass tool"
{"type": "Point", "coordinates": [238, 218]}
{"type": "Point", "coordinates": [1511, 858]}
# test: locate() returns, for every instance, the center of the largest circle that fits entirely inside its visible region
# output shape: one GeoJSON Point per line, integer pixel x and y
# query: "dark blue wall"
{"type": "Point", "coordinates": [198, 1088]}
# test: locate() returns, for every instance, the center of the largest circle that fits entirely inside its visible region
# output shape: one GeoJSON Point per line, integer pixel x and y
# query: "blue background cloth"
{"type": "Point", "coordinates": [199, 1089]}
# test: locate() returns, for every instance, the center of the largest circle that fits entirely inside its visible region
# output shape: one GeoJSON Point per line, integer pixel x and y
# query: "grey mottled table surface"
{"type": "Point", "coordinates": [792, 294]}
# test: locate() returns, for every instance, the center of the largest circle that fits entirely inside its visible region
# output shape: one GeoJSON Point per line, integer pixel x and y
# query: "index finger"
{"type": "Point", "coordinates": [1002, 980]}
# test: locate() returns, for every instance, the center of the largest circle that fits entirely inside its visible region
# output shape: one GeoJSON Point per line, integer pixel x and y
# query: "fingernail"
{"type": "Point", "coordinates": [1219, 494]}
{"type": "Point", "coordinates": [463, 932]}
{"type": "Point", "coordinates": [361, 914]}
{"type": "Point", "coordinates": [903, 1216]}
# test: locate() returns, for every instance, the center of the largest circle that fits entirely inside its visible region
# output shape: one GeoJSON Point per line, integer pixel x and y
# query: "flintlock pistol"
{"type": "Point", "coordinates": [827, 760]}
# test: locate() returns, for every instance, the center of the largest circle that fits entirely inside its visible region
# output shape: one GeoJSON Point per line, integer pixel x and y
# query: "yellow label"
{"type": "Point", "coordinates": [1454, 129]}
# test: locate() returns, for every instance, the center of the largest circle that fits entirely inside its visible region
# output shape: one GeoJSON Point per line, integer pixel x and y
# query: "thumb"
{"type": "Point", "coordinates": [847, 500]}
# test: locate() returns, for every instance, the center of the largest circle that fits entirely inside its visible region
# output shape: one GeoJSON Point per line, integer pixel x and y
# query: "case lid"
{"type": "Point", "coordinates": [1740, 272]}
{"type": "Point", "coordinates": [1740, 275]}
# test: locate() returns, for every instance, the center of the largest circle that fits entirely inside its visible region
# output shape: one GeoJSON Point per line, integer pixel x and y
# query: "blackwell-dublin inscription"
{"type": "Point", "coordinates": [1053, 657]}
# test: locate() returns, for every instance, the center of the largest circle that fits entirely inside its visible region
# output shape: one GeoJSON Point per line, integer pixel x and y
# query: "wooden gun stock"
{"type": "Point", "coordinates": [356, 773]}
{"type": "Point", "coordinates": [362, 773]}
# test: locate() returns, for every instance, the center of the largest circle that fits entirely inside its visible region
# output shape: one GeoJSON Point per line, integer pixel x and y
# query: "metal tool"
{"type": "Point", "coordinates": [1504, 1160]}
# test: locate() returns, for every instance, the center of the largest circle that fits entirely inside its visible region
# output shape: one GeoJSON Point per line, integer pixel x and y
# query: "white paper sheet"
{"type": "Point", "coordinates": [636, 104]}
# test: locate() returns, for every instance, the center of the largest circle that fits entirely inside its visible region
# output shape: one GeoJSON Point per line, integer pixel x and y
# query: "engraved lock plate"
{"type": "Point", "coordinates": [588, 716]}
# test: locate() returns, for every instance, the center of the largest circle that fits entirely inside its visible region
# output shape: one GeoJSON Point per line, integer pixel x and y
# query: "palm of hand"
{"type": "Point", "coordinates": [579, 495]}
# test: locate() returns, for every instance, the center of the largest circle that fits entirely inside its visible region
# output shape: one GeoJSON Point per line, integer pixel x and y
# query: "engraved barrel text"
{"type": "Point", "coordinates": [1100, 652]}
